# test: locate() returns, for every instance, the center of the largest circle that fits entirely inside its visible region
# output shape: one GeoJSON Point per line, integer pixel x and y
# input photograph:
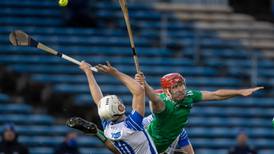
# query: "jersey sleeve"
{"type": "Point", "coordinates": [147, 120]}
{"type": "Point", "coordinates": [104, 123]}
{"type": "Point", "coordinates": [196, 95]}
{"type": "Point", "coordinates": [135, 121]}
{"type": "Point", "coordinates": [162, 113]}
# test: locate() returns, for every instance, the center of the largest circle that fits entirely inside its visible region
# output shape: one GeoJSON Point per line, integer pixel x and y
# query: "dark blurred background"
{"type": "Point", "coordinates": [215, 44]}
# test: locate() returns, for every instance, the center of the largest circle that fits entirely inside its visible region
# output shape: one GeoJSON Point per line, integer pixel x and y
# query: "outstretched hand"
{"type": "Point", "coordinates": [247, 92]}
{"type": "Point", "coordinates": [106, 68]}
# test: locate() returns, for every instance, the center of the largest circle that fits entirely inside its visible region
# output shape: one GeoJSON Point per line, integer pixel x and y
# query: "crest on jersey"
{"type": "Point", "coordinates": [116, 135]}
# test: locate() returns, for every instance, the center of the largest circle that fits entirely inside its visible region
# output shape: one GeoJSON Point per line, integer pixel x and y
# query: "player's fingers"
{"type": "Point", "coordinates": [141, 76]}
{"type": "Point", "coordinates": [141, 73]}
{"type": "Point", "coordinates": [104, 66]}
{"type": "Point", "coordinates": [139, 80]}
{"type": "Point", "coordinates": [258, 88]}
{"type": "Point", "coordinates": [108, 64]}
{"type": "Point", "coordinates": [100, 68]}
{"type": "Point", "coordinates": [137, 77]}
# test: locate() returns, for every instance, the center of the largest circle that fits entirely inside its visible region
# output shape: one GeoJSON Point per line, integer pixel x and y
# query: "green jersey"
{"type": "Point", "coordinates": [167, 125]}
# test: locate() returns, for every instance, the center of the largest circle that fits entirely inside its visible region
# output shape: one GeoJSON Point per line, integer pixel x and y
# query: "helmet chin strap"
{"type": "Point", "coordinates": [168, 93]}
{"type": "Point", "coordinates": [118, 114]}
{"type": "Point", "coordinates": [117, 117]}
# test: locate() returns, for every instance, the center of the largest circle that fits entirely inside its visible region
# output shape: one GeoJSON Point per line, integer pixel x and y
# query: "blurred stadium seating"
{"type": "Point", "coordinates": [213, 50]}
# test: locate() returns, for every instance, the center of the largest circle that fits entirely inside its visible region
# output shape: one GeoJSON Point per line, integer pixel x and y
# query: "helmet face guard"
{"type": "Point", "coordinates": [171, 79]}
{"type": "Point", "coordinates": [110, 107]}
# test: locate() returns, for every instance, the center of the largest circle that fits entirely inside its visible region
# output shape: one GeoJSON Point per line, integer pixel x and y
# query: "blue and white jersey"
{"type": "Point", "coordinates": [147, 120]}
{"type": "Point", "coordinates": [129, 136]}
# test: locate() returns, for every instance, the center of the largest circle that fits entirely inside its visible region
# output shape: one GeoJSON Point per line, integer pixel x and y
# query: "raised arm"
{"type": "Point", "coordinates": [137, 90]}
{"type": "Point", "coordinates": [156, 104]}
{"type": "Point", "coordinates": [223, 94]}
{"type": "Point", "coordinates": [93, 86]}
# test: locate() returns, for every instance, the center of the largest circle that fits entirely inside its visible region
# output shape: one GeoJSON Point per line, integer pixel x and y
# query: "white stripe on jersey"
{"type": "Point", "coordinates": [129, 136]}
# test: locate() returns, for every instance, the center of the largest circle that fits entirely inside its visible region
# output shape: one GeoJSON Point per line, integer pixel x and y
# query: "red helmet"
{"type": "Point", "coordinates": [168, 80]}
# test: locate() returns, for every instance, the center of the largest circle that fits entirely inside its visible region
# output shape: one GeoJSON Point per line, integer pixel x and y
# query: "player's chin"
{"type": "Point", "coordinates": [178, 98]}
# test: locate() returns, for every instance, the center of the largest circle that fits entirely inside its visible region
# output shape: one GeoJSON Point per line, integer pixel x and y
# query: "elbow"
{"type": "Point", "coordinates": [154, 97]}
{"type": "Point", "coordinates": [156, 107]}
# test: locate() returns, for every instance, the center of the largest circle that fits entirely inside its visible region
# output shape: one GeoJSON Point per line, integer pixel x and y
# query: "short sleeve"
{"type": "Point", "coordinates": [196, 95]}
{"type": "Point", "coordinates": [104, 123]}
{"type": "Point", "coordinates": [134, 121]}
{"type": "Point", "coordinates": [147, 120]}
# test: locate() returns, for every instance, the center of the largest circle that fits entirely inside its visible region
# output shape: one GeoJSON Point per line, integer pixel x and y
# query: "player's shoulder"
{"type": "Point", "coordinates": [190, 92]}
{"type": "Point", "coordinates": [163, 97]}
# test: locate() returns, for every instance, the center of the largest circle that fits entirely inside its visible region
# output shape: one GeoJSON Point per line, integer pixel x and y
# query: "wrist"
{"type": "Point", "coordinates": [146, 86]}
{"type": "Point", "coordinates": [240, 92]}
{"type": "Point", "coordinates": [88, 72]}
{"type": "Point", "coordinates": [114, 72]}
